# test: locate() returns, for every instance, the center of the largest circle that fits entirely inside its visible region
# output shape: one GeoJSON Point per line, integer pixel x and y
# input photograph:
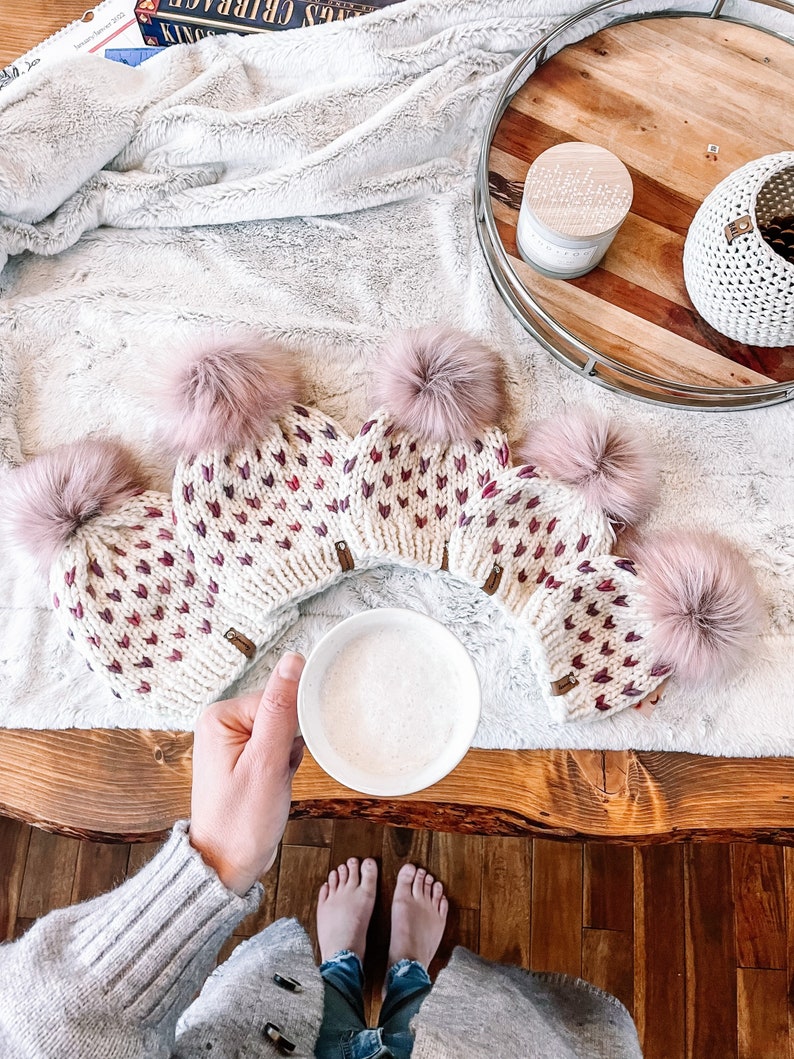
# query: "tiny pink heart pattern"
{"type": "Point", "coordinates": [265, 519]}
{"type": "Point", "coordinates": [529, 526]}
{"type": "Point", "coordinates": [588, 620]}
{"type": "Point", "coordinates": [136, 609]}
{"type": "Point", "coordinates": [405, 495]}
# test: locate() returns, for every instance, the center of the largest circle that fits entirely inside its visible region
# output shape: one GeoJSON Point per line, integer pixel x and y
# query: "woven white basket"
{"type": "Point", "coordinates": [736, 281]}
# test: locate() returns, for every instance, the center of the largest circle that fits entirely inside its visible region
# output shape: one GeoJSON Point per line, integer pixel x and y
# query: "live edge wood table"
{"type": "Point", "coordinates": [117, 784]}
{"type": "Point", "coordinates": [129, 785]}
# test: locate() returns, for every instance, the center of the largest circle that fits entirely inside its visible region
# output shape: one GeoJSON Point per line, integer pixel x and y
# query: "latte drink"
{"type": "Point", "coordinates": [389, 701]}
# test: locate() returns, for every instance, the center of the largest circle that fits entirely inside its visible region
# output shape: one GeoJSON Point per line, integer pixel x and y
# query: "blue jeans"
{"type": "Point", "coordinates": [344, 1033]}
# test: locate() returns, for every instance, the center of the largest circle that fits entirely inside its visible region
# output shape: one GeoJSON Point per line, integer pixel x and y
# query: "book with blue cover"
{"type": "Point", "coordinates": [166, 22]}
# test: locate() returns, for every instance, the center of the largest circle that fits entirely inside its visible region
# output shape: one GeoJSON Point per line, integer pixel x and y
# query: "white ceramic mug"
{"type": "Point", "coordinates": [389, 702]}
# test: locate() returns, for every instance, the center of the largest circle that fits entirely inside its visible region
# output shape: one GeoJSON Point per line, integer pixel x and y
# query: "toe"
{"type": "Point", "coordinates": [429, 880]}
{"type": "Point", "coordinates": [419, 882]}
{"type": "Point", "coordinates": [352, 867]}
{"type": "Point", "coordinates": [343, 874]}
{"type": "Point", "coordinates": [443, 908]}
{"type": "Point", "coordinates": [369, 874]}
{"type": "Point", "coordinates": [333, 880]}
{"type": "Point", "coordinates": [438, 893]}
{"type": "Point", "coordinates": [406, 875]}
{"type": "Point", "coordinates": [324, 891]}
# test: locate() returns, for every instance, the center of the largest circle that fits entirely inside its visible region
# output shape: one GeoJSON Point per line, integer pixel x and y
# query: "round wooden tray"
{"type": "Point", "coordinates": [661, 92]}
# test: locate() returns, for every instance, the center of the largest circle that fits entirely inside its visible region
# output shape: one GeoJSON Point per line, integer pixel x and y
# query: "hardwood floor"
{"type": "Point", "coordinates": [697, 940]}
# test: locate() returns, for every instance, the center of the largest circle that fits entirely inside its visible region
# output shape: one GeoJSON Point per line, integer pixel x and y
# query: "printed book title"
{"type": "Point", "coordinates": [201, 17]}
{"type": "Point", "coordinates": [281, 12]}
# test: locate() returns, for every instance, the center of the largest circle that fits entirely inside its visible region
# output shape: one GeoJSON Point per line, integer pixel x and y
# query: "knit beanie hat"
{"type": "Point", "coordinates": [431, 446]}
{"type": "Point", "coordinates": [126, 592]}
{"type": "Point", "coordinates": [255, 493]}
{"type": "Point", "coordinates": [605, 632]}
{"type": "Point", "coordinates": [583, 474]}
{"type": "Point", "coordinates": [272, 502]}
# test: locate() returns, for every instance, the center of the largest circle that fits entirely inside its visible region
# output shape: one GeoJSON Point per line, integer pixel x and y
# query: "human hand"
{"type": "Point", "coordinates": [245, 753]}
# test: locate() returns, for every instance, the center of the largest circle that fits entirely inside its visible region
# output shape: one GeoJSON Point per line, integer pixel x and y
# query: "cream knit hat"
{"type": "Point", "coordinates": [264, 518]}
{"type": "Point", "coordinates": [582, 475]}
{"type": "Point", "coordinates": [256, 488]}
{"type": "Point", "coordinates": [430, 447]}
{"type": "Point", "coordinates": [273, 502]}
{"type": "Point", "coordinates": [607, 631]}
{"type": "Point", "coordinates": [127, 593]}
{"type": "Point", "coordinates": [522, 526]}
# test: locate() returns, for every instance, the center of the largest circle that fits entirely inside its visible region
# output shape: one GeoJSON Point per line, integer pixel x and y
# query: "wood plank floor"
{"type": "Point", "coordinates": [697, 940]}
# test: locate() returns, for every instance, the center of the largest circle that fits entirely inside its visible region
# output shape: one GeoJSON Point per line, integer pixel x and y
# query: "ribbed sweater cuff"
{"type": "Point", "coordinates": [141, 939]}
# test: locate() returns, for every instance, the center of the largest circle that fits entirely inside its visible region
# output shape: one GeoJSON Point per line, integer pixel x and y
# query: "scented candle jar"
{"type": "Point", "coordinates": [576, 196]}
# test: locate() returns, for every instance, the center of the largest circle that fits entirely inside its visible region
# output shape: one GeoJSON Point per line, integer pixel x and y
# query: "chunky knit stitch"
{"type": "Point", "coordinates": [517, 529]}
{"type": "Point", "coordinates": [590, 631]}
{"type": "Point", "coordinates": [168, 604]}
{"type": "Point", "coordinates": [110, 977]}
{"type": "Point", "coordinates": [137, 610]}
{"type": "Point", "coordinates": [265, 520]}
{"type": "Point", "coordinates": [406, 494]}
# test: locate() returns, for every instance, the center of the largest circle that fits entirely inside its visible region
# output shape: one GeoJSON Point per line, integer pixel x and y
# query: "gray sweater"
{"type": "Point", "coordinates": [115, 978]}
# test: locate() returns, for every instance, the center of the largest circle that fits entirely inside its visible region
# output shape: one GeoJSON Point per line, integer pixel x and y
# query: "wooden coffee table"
{"type": "Point", "coordinates": [125, 785]}
{"type": "Point", "coordinates": [118, 784]}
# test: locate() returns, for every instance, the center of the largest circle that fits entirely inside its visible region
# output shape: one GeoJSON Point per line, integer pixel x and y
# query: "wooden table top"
{"type": "Point", "coordinates": [126, 785]}
{"type": "Point", "coordinates": [683, 102]}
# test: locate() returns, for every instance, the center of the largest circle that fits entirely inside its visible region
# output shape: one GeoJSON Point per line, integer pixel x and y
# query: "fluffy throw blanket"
{"type": "Point", "coordinates": [316, 185]}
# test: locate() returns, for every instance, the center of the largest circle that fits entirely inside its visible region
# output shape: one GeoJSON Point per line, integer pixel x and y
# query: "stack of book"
{"type": "Point", "coordinates": [165, 22]}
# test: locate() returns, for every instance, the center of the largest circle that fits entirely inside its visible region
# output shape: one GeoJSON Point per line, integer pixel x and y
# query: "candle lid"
{"type": "Point", "coordinates": [579, 190]}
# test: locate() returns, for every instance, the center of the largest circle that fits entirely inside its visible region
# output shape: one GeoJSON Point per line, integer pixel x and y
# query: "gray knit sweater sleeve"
{"type": "Point", "coordinates": [110, 977]}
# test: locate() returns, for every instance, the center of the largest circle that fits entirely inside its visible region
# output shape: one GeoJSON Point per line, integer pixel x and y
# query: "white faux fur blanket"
{"type": "Point", "coordinates": [317, 186]}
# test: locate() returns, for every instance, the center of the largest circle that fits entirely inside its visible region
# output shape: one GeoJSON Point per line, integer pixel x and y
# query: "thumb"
{"type": "Point", "coordinates": [276, 720]}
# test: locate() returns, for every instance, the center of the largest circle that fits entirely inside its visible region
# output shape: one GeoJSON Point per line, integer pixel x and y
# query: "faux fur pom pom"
{"type": "Point", "coordinates": [46, 500]}
{"type": "Point", "coordinates": [608, 462]}
{"type": "Point", "coordinates": [702, 599]}
{"type": "Point", "coordinates": [222, 393]}
{"type": "Point", "coordinates": [440, 384]}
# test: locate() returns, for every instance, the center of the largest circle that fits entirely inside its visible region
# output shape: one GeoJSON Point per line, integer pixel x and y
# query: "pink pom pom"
{"type": "Point", "coordinates": [608, 462]}
{"type": "Point", "coordinates": [440, 384]}
{"type": "Point", "coordinates": [702, 599]}
{"type": "Point", "coordinates": [47, 500]}
{"type": "Point", "coordinates": [223, 393]}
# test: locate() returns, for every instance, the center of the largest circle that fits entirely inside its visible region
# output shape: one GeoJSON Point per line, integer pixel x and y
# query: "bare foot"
{"type": "Point", "coordinates": [418, 916]}
{"type": "Point", "coordinates": [345, 907]}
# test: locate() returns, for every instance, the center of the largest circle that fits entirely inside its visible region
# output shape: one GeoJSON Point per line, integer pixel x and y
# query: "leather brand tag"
{"type": "Point", "coordinates": [345, 556]}
{"type": "Point", "coordinates": [741, 226]}
{"type": "Point", "coordinates": [241, 642]}
{"type": "Point", "coordinates": [564, 684]}
{"type": "Point", "coordinates": [495, 576]}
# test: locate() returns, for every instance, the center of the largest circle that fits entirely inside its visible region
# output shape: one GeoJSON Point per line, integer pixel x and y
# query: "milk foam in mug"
{"type": "Point", "coordinates": [389, 701]}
